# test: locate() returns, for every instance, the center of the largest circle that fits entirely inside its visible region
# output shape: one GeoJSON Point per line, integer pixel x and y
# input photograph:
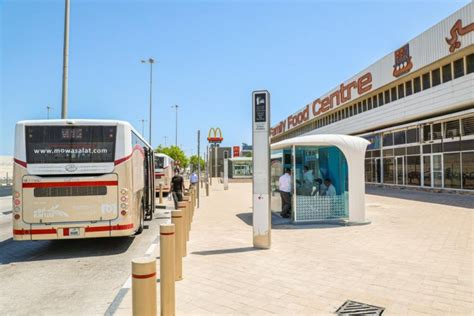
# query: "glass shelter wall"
{"type": "Point", "coordinates": [320, 177]}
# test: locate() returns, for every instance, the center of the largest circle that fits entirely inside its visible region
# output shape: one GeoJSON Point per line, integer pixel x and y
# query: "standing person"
{"type": "Point", "coordinates": [284, 186]}
{"type": "Point", "coordinates": [177, 188]}
{"type": "Point", "coordinates": [193, 179]}
{"type": "Point", "coordinates": [308, 180]}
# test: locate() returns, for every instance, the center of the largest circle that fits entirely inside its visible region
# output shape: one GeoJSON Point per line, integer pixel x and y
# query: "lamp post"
{"type": "Point", "coordinates": [150, 61]}
{"type": "Point", "coordinates": [176, 133]}
{"type": "Point", "coordinates": [48, 108]}
{"type": "Point", "coordinates": [65, 61]}
{"type": "Point", "coordinates": [143, 126]}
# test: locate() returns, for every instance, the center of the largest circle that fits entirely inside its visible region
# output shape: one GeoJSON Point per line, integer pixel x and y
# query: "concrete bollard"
{"type": "Point", "coordinates": [144, 286]}
{"type": "Point", "coordinates": [167, 269]}
{"type": "Point", "coordinates": [177, 220]}
{"type": "Point", "coordinates": [187, 220]}
{"type": "Point", "coordinates": [161, 194]}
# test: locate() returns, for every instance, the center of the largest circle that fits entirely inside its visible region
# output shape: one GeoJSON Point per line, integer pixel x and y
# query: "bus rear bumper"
{"type": "Point", "coordinates": [73, 232]}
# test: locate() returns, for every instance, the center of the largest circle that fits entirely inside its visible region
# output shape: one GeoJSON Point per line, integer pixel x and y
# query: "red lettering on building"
{"type": "Point", "coordinates": [458, 30]}
{"type": "Point", "coordinates": [321, 105]}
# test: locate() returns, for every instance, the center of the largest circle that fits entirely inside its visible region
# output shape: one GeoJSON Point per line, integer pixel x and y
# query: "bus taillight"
{"type": "Point", "coordinates": [16, 216]}
{"type": "Point", "coordinates": [123, 212]}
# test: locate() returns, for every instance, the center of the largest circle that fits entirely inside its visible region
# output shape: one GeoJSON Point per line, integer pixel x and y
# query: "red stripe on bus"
{"type": "Point", "coordinates": [137, 147]}
{"type": "Point", "coordinates": [91, 229]}
{"type": "Point", "coordinates": [68, 184]}
{"type": "Point", "coordinates": [143, 276]}
{"type": "Point", "coordinates": [21, 163]}
{"type": "Point", "coordinates": [34, 231]}
{"type": "Point", "coordinates": [65, 231]}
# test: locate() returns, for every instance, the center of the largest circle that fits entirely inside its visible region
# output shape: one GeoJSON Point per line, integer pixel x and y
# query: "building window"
{"type": "Point", "coordinates": [350, 111]}
{"type": "Point", "coordinates": [426, 133]}
{"type": "Point", "coordinates": [416, 85]}
{"type": "Point", "coordinates": [380, 99]}
{"type": "Point", "coordinates": [458, 68]}
{"type": "Point", "coordinates": [388, 170]}
{"type": "Point", "coordinates": [399, 138]}
{"type": "Point", "coordinates": [412, 135]}
{"type": "Point", "coordinates": [413, 170]}
{"type": "Point", "coordinates": [436, 77]}
{"type": "Point", "coordinates": [452, 171]}
{"type": "Point", "coordinates": [387, 140]}
{"type": "Point", "coordinates": [426, 81]}
{"type": "Point", "coordinates": [408, 88]}
{"type": "Point", "coordinates": [447, 76]}
{"type": "Point", "coordinates": [393, 93]}
{"type": "Point", "coordinates": [468, 171]}
{"type": "Point", "coordinates": [401, 91]}
{"type": "Point", "coordinates": [436, 131]}
{"type": "Point", "coordinates": [451, 129]}
{"type": "Point", "coordinates": [387, 96]}
{"type": "Point", "coordinates": [470, 63]}
{"type": "Point", "coordinates": [468, 126]}
{"type": "Point", "coordinates": [369, 103]}
{"type": "Point", "coordinates": [375, 102]}
{"type": "Point", "coordinates": [359, 107]}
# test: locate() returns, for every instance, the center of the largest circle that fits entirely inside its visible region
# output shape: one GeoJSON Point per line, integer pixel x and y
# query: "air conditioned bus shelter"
{"type": "Point", "coordinates": [339, 158]}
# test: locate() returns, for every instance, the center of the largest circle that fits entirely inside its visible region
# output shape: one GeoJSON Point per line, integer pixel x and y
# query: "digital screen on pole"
{"type": "Point", "coordinates": [260, 107]}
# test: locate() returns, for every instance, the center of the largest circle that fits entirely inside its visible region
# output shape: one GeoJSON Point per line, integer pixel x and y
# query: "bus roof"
{"type": "Point", "coordinates": [73, 122]}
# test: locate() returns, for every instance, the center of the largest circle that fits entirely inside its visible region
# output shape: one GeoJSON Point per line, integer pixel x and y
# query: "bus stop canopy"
{"type": "Point", "coordinates": [353, 148]}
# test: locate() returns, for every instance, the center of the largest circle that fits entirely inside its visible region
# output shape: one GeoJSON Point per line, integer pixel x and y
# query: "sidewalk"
{"type": "Point", "coordinates": [416, 258]}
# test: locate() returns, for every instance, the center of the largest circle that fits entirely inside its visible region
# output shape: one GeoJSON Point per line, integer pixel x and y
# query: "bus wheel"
{"type": "Point", "coordinates": [142, 220]}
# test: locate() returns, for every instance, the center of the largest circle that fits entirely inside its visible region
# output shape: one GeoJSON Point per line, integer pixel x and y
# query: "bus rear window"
{"type": "Point", "coordinates": [159, 162]}
{"type": "Point", "coordinates": [70, 144]}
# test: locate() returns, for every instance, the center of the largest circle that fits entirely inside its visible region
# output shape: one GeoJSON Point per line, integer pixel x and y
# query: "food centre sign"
{"type": "Point", "coordinates": [448, 36]}
{"type": "Point", "coordinates": [345, 93]}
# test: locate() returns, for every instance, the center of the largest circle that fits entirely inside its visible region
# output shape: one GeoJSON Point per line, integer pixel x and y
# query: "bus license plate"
{"type": "Point", "coordinates": [74, 232]}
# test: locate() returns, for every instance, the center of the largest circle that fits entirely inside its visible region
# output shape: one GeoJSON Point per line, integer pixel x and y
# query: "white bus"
{"type": "Point", "coordinates": [163, 171]}
{"type": "Point", "coordinates": [80, 179]}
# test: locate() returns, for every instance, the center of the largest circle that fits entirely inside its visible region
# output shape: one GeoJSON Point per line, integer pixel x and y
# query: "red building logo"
{"type": "Point", "coordinates": [403, 63]}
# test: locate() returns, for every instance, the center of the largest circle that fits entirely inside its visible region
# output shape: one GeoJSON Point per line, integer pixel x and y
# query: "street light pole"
{"type": "Point", "coordinates": [176, 133]}
{"type": "Point", "coordinates": [65, 61]}
{"type": "Point", "coordinates": [143, 126]}
{"type": "Point", "coordinates": [48, 108]}
{"type": "Point", "coordinates": [150, 61]}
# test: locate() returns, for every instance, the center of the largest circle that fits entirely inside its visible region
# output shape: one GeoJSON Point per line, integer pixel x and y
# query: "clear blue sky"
{"type": "Point", "coordinates": [211, 55]}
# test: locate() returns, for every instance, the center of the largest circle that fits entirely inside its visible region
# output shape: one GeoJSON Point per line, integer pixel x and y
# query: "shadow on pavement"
{"type": "Point", "coordinates": [444, 198]}
{"type": "Point", "coordinates": [224, 251]}
{"type": "Point", "coordinates": [279, 222]}
{"type": "Point", "coordinates": [24, 251]}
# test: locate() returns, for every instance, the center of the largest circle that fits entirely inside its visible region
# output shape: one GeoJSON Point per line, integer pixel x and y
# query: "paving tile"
{"type": "Point", "coordinates": [415, 258]}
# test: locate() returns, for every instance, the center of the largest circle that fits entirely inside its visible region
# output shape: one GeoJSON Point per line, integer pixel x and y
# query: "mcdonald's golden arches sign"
{"type": "Point", "coordinates": [215, 135]}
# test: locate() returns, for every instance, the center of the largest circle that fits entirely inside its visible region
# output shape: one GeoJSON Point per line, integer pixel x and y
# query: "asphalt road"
{"type": "Point", "coordinates": [66, 277]}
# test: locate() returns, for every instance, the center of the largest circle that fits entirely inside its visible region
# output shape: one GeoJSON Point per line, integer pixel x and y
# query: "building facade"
{"type": "Point", "coordinates": [415, 106]}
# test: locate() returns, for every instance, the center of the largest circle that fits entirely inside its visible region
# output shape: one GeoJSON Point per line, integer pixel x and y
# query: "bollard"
{"type": "Point", "coordinates": [187, 222]}
{"type": "Point", "coordinates": [161, 194]}
{"type": "Point", "coordinates": [177, 220]}
{"type": "Point", "coordinates": [207, 189]}
{"type": "Point", "coordinates": [167, 269]}
{"type": "Point", "coordinates": [144, 286]}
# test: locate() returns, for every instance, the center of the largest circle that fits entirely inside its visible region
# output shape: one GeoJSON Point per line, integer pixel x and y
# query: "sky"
{"type": "Point", "coordinates": [210, 56]}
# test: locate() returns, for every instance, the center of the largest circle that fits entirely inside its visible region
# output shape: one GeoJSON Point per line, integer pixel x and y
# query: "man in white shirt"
{"type": "Point", "coordinates": [308, 180]}
{"type": "Point", "coordinates": [284, 186]}
{"type": "Point", "coordinates": [331, 190]}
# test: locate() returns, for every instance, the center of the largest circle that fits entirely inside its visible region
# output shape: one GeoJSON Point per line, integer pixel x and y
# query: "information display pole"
{"type": "Point", "coordinates": [226, 174]}
{"type": "Point", "coordinates": [261, 169]}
